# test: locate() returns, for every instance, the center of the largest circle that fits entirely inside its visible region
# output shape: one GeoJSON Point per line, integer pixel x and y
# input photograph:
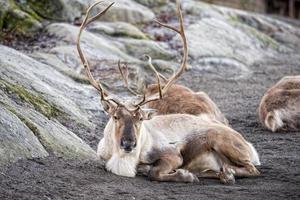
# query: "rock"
{"type": "Point", "coordinates": [62, 65]}
{"type": "Point", "coordinates": [262, 30]}
{"type": "Point", "coordinates": [127, 11]}
{"type": "Point", "coordinates": [138, 48]}
{"type": "Point", "coordinates": [13, 18]}
{"type": "Point", "coordinates": [60, 10]}
{"type": "Point", "coordinates": [95, 46]}
{"type": "Point", "coordinates": [222, 67]}
{"type": "Point", "coordinates": [152, 3]}
{"type": "Point", "coordinates": [16, 139]}
{"type": "Point", "coordinates": [117, 29]}
{"type": "Point", "coordinates": [44, 99]}
{"type": "Point", "coordinates": [203, 43]}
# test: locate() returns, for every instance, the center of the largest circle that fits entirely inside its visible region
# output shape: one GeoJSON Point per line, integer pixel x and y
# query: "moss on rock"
{"type": "Point", "coordinates": [152, 3]}
{"type": "Point", "coordinates": [21, 20]}
{"type": "Point", "coordinates": [260, 36]}
{"type": "Point", "coordinates": [47, 9]}
{"type": "Point", "coordinates": [37, 102]}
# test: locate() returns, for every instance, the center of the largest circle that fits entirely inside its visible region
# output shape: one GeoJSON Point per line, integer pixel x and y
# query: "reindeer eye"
{"type": "Point", "coordinates": [141, 119]}
{"type": "Point", "coordinates": [116, 117]}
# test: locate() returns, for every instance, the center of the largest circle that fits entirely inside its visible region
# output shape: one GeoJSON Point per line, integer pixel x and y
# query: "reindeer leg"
{"type": "Point", "coordinates": [143, 169]}
{"type": "Point", "coordinates": [166, 169]}
{"type": "Point", "coordinates": [226, 175]}
{"type": "Point", "coordinates": [242, 172]}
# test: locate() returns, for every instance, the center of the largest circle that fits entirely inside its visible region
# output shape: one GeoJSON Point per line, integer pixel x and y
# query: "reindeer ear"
{"type": "Point", "coordinates": [108, 107]}
{"type": "Point", "coordinates": [149, 113]}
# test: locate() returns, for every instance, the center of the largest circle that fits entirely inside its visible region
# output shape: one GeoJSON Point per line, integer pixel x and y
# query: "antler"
{"type": "Point", "coordinates": [161, 90]}
{"type": "Point", "coordinates": [171, 81]}
{"type": "Point", "coordinates": [125, 77]}
{"type": "Point", "coordinates": [87, 20]}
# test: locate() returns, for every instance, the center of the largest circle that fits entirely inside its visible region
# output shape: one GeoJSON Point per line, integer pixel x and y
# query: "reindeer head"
{"type": "Point", "coordinates": [128, 117]}
{"type": "Point", "coordinates": [127, 124]}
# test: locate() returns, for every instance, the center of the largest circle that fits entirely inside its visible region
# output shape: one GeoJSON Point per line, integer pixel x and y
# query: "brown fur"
{"type": "Point", "coordinates": [283, 96]}
{"type": "Point", "coordinates": [180, 99]}
{"type": "Point", "coordinates": [228, 144]}
{"type": "Point", "coordinates": [186, 160]}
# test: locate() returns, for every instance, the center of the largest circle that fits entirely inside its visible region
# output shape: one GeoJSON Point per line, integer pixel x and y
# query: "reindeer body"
{"type": "Point", "coordinates": [180, 99]}
{"type": "Point", "coordinates": [280, 106]}
{"type": "Point", "coordinates": [190, 145]}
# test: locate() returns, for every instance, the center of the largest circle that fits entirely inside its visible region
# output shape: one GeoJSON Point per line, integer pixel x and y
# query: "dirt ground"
{"type": "Point", "coordinates": [54, 178]}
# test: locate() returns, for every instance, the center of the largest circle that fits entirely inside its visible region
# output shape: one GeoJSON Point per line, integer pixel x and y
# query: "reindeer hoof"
{"type": "Point", "coordinates": [187, 176]}
{"type": "Point", "coordinates": [255, 172]}
{"type": "Point", "coordinates": [226, 175]}
{"type": "Point", "coordinates": [252, 170]}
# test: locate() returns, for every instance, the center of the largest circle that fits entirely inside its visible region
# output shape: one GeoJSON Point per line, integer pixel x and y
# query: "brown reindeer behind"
{"type": "Point", "coordinates": [280, 106]}
{"type": "Point", "coordinates": [180, 99]}
{"type": "Point", "coordinates": [172, 147]}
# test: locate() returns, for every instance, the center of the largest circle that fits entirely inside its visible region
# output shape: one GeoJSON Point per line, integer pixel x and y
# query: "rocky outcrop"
{"type": "Point", "coordinates": [117, 29]}
{"type": "Point", "coordinates": [42, 99]}
{"type": "Point", "coordinates": [17, 140]}
{"type": "Point", "coordinates": [19, 19]}
{"type": "Point", "coordinates": [127, 11]}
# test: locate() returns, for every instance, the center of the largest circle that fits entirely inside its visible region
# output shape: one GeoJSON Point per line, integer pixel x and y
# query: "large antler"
{"type": "Point", "coordinates": [87, 20]}
{"type": "Point", "coordinates": [170, 81]}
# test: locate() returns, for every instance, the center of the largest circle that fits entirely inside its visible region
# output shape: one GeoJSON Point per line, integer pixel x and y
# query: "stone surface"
{"type": "Point", "coordinates": [97, 47]}
{"type": "Point", "coordinates": [117, 29]}
{"type": "Point", "coordinates": [16, 139]}
{"type": "Point", "coordinates": [152, 3]}
{"type": "Point", "coordinates": [60, 10]}
{"type": "Point", "coordinates": [14, 18]}
{"type": "Point", "coordinates": [139, 48]}
{"type": "Point", "coordinates": [44, 99]}
{"type": "Point", "coordinates": [127, 11]}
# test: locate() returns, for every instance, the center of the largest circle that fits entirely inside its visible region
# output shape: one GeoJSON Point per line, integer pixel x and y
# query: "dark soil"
{"type": "Point", "coordinates": [54, 178]}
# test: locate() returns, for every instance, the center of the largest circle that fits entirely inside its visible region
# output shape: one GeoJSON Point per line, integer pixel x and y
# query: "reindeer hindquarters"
{"type": "Point", "coordinates": [218, 155]}
{"type": "Point", "coordinates": [201, 160]}
{"type": "Point", "coordinates": [166, 168]}
{"type": "Point", "coordinates": [233, 147]}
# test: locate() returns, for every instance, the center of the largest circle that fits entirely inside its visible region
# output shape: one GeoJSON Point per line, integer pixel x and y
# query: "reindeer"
{"type": "Point", "coordinates": [178, 98]}
{"type": "Point", "coordinates": [173, 147]}
{"type": "Point", "coordinates": [280, 106]}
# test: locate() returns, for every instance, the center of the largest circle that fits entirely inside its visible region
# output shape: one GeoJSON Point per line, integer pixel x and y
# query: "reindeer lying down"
{"type": "Point", "coordinates": [173, 147]}
{"type": "Point", "coordinates": [280, 106]}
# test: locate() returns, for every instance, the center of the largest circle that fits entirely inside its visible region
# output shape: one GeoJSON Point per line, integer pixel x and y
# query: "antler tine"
{"type": "Point", "coordinates": [157, 74]}
{"type": "Point", "coordinates": [84, 60]}
{"type": "Point", "coordinates": [185, 48]}
{"type": "Point", "coordinates": [125, 77]}
{"type": "Point", "coordinates": [175, 76]}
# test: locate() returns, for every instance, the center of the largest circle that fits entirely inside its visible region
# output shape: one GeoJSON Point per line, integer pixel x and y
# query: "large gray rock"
{"type": "Point", "coordinates": [43, 99]}
{"type": "Point", "coordinates": [13, 18]}
{"type": "Point", "coordinates": [152, 3]}
{"type": "Point", "coordinates": [96, 47]}
{"type": "Point", "coordinates": [62, 10]}
{"type": "Point", "coordinates": [117, 29]}
{"type": "Point", "coordinates": [139, 48]}
{"type": "Point", "coordinates": [16, 139]}
{"type": "Point", "coordinates": [213, 37]}
{"type": "Point", "coordinates": [127, 11]}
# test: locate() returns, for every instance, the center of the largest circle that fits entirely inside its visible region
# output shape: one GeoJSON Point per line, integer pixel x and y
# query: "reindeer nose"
{"type": "Point", "coordinates": [128, 145]}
